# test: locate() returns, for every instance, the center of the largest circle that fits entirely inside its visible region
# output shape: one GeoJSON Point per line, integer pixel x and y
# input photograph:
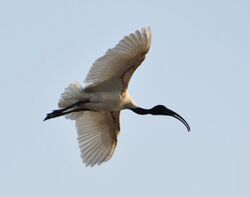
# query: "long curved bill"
{"type": "Point", "coordinates": [177, 116]}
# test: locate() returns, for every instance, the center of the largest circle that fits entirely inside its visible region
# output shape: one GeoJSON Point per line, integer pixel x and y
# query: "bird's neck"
{"type": "Point", "coordinates": [141, 111]}
{"type": "Point", "coordinates": [127, 101]}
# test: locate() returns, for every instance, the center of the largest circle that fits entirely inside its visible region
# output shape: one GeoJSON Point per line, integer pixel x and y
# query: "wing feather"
{"type": "Point", "coordinates": [128, 53]}
{"type": "Point", "coordinates": [97, 136]}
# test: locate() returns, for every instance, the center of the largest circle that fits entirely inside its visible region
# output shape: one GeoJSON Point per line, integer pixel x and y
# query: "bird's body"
{"type": "Point", "coordinates": [109, 101]}
{"type": "Point", "coordinates": [96, 107]}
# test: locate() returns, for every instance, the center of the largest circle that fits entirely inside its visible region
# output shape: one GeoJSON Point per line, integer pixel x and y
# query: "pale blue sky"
{"type": "Point", "coordinates": [198, 65]}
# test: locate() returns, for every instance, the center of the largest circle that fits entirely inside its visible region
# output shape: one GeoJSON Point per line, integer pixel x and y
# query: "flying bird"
{"type": "Point", "coordinates": [96, 106]}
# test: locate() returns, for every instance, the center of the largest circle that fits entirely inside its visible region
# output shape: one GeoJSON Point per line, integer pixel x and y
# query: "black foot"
{"type": "Point", "coordinates": [54, 114]}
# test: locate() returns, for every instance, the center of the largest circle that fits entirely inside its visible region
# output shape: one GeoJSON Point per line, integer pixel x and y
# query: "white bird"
{"type": "Point", "coordinates": [96, 107]}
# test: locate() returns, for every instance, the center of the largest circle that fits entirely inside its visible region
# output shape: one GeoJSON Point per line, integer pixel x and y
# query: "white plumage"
{"type": "Point", "coordinates": [97, 136]}
{"type": "Point", "coordinates": [96, 107]}
{"type": "Point", "coordinates": [108, 80]}
{"type": "Point", "coordinates": [127, 54]}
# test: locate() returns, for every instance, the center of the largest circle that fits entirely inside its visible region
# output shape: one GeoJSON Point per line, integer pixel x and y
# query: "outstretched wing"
{"type": "Point", "coordinates": [97, 136]}
{"type": "Point", "coordinates": [120, 62]}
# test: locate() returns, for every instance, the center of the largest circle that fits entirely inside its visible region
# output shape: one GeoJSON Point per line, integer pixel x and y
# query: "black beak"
{"type": "Point", "coordinates": [177, 116]}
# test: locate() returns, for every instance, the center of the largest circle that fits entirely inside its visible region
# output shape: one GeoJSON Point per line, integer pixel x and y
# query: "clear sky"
{"type": "Point", "coordinates": [198, 65]}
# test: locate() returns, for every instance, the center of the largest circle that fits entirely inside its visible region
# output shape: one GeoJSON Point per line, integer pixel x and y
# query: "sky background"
{"type": "Point", "coordinates": [198, 65]}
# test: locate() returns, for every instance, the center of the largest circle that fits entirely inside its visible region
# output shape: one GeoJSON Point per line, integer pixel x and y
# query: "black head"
{"type": "Point", "coordinates": [162, 110]}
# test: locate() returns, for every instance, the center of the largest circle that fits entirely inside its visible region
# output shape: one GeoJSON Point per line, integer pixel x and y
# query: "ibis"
{"type": "Point", "coordinates": [96, 106]}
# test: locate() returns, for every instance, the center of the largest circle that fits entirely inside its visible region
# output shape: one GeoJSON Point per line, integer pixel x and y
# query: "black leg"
{"type": "Point", "coordinates": [73, 105]}
{"type": "Point", "coordinates": [56, 113]}
{"type": "Point", "coordinates": [61, 112]}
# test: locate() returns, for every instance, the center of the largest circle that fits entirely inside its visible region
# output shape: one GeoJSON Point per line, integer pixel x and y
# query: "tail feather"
{"type": "Point", "coordinates": [72, 94]}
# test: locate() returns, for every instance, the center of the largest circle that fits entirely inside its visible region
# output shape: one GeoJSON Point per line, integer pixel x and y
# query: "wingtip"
{"type": "Point", "coordinates": [147, 29]}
